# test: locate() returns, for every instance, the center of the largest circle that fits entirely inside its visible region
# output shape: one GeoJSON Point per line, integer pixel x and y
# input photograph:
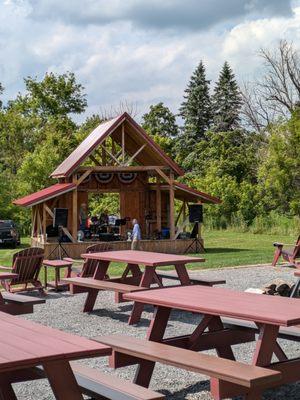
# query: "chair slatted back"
{"type": "Point", "coordinates": [27, 264]}
{"type": "Point", "coordinates": [89, 265]}
{"type": "Point", "coordinates": [296, 253]}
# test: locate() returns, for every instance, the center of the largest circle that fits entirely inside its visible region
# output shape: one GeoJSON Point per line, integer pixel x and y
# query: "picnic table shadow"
{"type": "Point", "coordinates": [220, 250]}
{"type": "Point", "coordinates": [288, 391]}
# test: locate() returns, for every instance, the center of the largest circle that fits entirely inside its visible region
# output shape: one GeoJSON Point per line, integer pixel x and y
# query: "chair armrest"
{"type": "Point", "coordinates": [6, 268]}
{"type": "Point", "coordinates": [276, 244]}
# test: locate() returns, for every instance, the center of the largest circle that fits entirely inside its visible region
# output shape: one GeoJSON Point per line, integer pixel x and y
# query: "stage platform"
{"type": "Point", "coordinates": [74, 250]}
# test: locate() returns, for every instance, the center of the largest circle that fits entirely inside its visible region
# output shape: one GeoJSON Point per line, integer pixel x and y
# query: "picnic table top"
{"type": "Point", "coordinates": [273, 310]}
{"type": "Point", "coordinates": [25, 344]}
{"type": "Point", "coordinates": [146, 258]}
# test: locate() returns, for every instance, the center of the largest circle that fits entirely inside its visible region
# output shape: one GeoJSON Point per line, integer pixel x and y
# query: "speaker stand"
{"type": "Point", "coordinates": [196, 245]}
{"type": "Point", "coordinates": [61, 251]}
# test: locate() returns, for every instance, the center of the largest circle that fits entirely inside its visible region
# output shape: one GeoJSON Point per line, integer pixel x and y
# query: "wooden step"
{"type": "Point", "coordinates": [195, 281]}
{"type": "Point", "coordinates": [21, 299]}
{"type": "Point", "coordinates": [103, 285]}
{"type": "Point", "coordinates": [228, 370]}
{"type": "Point", "coordinates": [98, 385]}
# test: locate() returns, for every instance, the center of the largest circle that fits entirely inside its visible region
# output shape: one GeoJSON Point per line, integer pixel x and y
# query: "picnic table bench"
{"type": "Point", "coordinates": [43, 352]}
{"type": "Point", "coordinates": [270, 314]}
{"type": "Point", "coordinates": [238, 373]}
{"type": "Point", "coordinates": [16, 304]}
{"type": "Point", "coordinates": [133, 275]}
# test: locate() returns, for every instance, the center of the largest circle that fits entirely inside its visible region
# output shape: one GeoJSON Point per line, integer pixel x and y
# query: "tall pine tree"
{"type": "Point", "coordinates": [196, 108]}
{"type": "Point", "coordinates": [226, 101]}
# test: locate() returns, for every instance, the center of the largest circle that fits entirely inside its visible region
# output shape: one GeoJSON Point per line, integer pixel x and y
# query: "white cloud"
{"type": "Point", "coordinates": [125, 59]}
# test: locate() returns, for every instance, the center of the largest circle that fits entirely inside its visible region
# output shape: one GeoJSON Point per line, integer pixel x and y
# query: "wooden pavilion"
{"type": "Point", "coordinates": [117, 157]}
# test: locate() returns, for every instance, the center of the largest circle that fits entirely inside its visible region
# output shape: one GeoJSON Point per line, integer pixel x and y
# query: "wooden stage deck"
{"type": "Point", "coordinates": [74, 250]}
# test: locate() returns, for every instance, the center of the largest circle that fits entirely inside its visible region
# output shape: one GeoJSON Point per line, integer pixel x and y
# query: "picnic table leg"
{"type": "Point", "coordinates": [62, 380]}
{"type": "Point", "coordinates": [91, 298]}
{"type": "Point", "coordinates": [155, 333]}
{"type": "Point", "coordinates": [266, 345]}
{"type": "Point", "coordinates": [183, 274]}
{"type": "Point", "coordinates": [137, 309]}
{"type": "Point", "coordinates": [6, 390]}
{"type": "Point", "coordinates": [136, 273]}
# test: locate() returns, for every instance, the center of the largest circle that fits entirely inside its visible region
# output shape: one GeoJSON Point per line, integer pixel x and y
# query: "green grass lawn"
{"type": "Point", "coordinates": [223, 249]}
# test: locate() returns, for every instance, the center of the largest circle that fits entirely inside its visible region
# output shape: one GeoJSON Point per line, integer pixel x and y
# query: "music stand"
{"type": "Point", "coordinates": [60, 221]}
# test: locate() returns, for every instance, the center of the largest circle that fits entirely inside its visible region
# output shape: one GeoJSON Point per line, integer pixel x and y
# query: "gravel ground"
{"type": "Point", "coordinates": [63, 311]}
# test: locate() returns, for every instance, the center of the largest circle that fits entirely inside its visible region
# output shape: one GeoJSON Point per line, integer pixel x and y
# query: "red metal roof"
{"type": "Point", "coordinates": [98, 135]}
{"type": "Point", "coordinates": [45, 194]}
{"type": "Point", "coordinates": [205, 198]}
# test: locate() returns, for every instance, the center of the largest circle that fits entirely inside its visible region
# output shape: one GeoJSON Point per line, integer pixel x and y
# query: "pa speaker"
{"type": "Point", "coordinates": [60, 217]}
{"type": "Point", "coordinates": [195, 213]}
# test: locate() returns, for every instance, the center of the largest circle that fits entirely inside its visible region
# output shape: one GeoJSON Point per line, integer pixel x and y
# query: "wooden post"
{"type": "Point", "coordinates": [158, 205]}
{"type": "Point", "coordinates": [74, 210]}
{"type": "Point", "coordinates": [184, 214]}
{"type": "Point", "coordinates": [44, 224]}
{"type": "Point", "coordinates": [172, 208]}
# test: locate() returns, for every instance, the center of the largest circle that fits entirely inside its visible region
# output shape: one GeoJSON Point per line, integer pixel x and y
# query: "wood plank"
{"type": "Point", "coordinates": [25, 344]}
{"type": "Point", "coordinates": [122, 168]}
{"type": "Point", "coordinates": [143, 257]}
{"type": "Point", "coordinates": [102, 284]}
{"type": "Point", "coordinates": [231, 371]}
{"type": "Point", "coordinates": [223, 302]}
{"type": "Point", "coordinates": [93, 381]}
{"type": "Point", "coordinates": [21, 299]}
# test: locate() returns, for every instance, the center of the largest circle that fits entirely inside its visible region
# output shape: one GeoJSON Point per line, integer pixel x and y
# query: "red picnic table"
{"type": "Point", "coordinates": [25, 345]}
{"type": "Point", "coordinates": [269, 313]}
{"type": "Point", "coordinates": [138, 280]}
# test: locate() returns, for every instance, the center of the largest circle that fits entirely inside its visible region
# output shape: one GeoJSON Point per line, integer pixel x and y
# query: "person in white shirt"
{"type": "Point", "coordinates": [136, 235]}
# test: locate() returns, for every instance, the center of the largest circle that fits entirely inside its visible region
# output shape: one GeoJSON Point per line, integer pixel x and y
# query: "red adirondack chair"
{"type": "Point", "coordinates": [89, 266]}
{"type": "Point", "coordinates": [27, 264]}
{"type": "Point", "coordinates": [290, 254]}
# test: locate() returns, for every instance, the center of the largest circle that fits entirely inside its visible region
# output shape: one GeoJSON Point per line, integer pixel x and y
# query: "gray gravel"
{"type": "Point", "coordinates": [63, 311]}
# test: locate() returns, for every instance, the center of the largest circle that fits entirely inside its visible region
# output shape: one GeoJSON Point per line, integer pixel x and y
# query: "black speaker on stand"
{"type": "Point", "coordinates": [195, 217]}
{"type": "Point", "coordinates": [60, 221]}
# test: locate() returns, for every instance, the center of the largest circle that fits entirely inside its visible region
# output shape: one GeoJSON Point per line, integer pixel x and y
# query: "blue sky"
{"type": "Point", "coordinates": [138, 51]}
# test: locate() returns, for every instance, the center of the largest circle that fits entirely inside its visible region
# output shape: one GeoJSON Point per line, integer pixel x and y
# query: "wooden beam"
{"type": "Point", "coordinates": [50, 212]}
{"type": "Point", "coordinates": [94, 159]}
{"type": "Point", "coordinates": [83, 176]}
{"type": "Point", "coordinates": [172, 207]}
{"type": "Point", "coordinates": [123, 144]}
{"type": "Point", "coordinates": [158, 206]}
{"type": "Point", "coordinates": [74, 212]}
{"type": "Point", "coordinates": [179, 214]}
{"type": "Point", "coordinates": [103, 155]}
{"type": "Point", "coordinates": [182, 227]}
{"type": "Point", "coordinates": [163, 175]}
{"type": "Point", "coordinates": [111, 155]}
{"type": "Point", "coordinates": [67, 233]}
{"type": "Point", "coordinates": [135, 154]}
{"type": "Point", "coordinates": [122, 168]}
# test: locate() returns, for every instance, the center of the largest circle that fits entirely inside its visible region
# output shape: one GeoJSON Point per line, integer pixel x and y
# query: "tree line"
{"type": "Point", "coordinates": [239, 143]}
